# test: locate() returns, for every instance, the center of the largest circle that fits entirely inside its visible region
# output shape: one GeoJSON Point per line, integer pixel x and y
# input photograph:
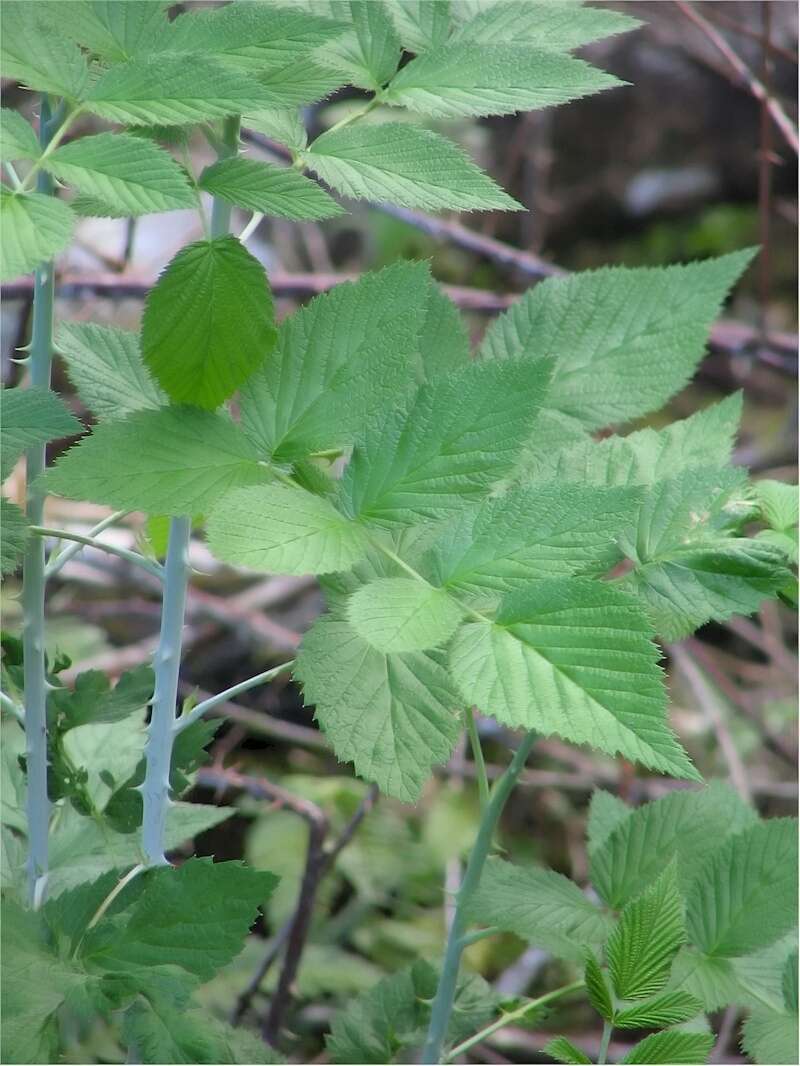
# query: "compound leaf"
{"type": "Point", "coordinates": [17, 139]}
{"type": "Point", "coordinates": [556, 26]}
{"type": "Point", "coordinates": [597, 989]}
{"type": "Point", "coordinates": [370, 53]}
{"type": "Point", "coordinates": [93, 699]}
{"type": "Point", "coordinates": [673, 1047]}
{"type": "Point", "coordinates": [115, 32]}
{"type": "Point", "coordinates": [208, 322]}
{"type": "Point", "coordinates": [105, 366]}
{"type": "Point", "coordinates": [283, 530]}
{"type": "Point", "coordinates": [572, 657]}
{"type": "Point", "coordinates": [132, 175]}
{"type": "Point", "coordinates": [563, 1050]}
{"type": "Point", "coordinates": [646, 939]}
{"type": "Point", "coordinates": [35, 228]}
{"type": "Point", "coordinates": [33, 53]}
{"type": "Point", "coordinates": [281, 124]}
{"type": "Point", "coordinates": [670, 1008]}
{"type": "Point", "coordinates": [271, 190]}
{"type": "Point", "coordinates": [421, 24]}
{"type": "Point", "coordinates": [623, 341]}
{"type": "Point", "coordinates": [540, 906]}
{"type": "Point", "coordinates": [405, 165]}
{"type": "Point", "coordinates": [392, 715]}
{"type": "Point", "coordinates": [745, 895]}
{"type": "Point", "coordinates": [32, 416]}
{"type": "Point", "coordinates": [397, 614]}
{"type": "Point", "coordinates": [446, 446]}
{"type": "Point", "coordinates": [173, 461]}
{"type": "Point", "coordinates": [466, 78]}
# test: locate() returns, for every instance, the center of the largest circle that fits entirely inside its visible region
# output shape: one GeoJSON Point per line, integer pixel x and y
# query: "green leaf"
{"type": "Point", "coordinates": [370, 53]}
{"type": "Point", "coordinates": [563, 1050]}
{"type": "Point", "coordinates": [130, 174]}
{"type": "Point", "coordinates": [446, 446]}
{"type": "Point", "coordinates": [208, 322]}
{"type": "Point", "coordinates": [393, 1015]}
{"type": "Point", "coordinates": [744, 896]}
{"type": "Point", "coordinates": [778, 503]}
{"type": "Point", "coordinates": [114, 31]}
{"type": "Point", "coordinates": [421, 24]}
{"type": "Point", "coordinates": [33, 53]}
{"type": "Point", "coordinates": [789, 983]}
{"type": "Point", "coordinates": [405, 165]}
{"type": "Point", "coordinates": [398, 614]}
{"type": "Point", "coordinates": [687, 824]}
{"type": "Point", "coordinates": [572, 657]}
{"type": "Point", "coordinates": [300, 84]}
{"type": "Point", "coordinates": [35, 228]}
{"type": "Point", "coordinates": [705, 439]}
{"type": "Point", "coordinates": [623, 341]}
{"type": "Point", "coordinates": [673, 1047]}
{"type": "Point", "coordinates": [106, 753]}
{"type": "Point", "coordinates": [283, 530]}
{"type": "Point", "coordinates": [646, 939]}
{"type": "Point", "coordinates": [443, 339]}
{"type": "Point", "coordinates": [173, 90]}
{"type": "Point", "coordinates": [172, 461]}
{"type": "Point", "coordinates": [272, 190]}
{"type": "Point", "coordinates": [670, 1008]}
{"type": "Point", "coordinates": [17, 139]}
{"type": "Point", "coordinates": [540, 906]}
{"type": "Point", "coordinates": [393, 716]}
{"type": "Point", "coordinates": [324, 382]}
{"type": "Point", "coordinates": [688, 569]}
{"type": "Point", "coordinates": [284, 125]}
{"type": "Point", "coordinates": [606, 812]}
{"type": "Point", "coordinates": [557, 26]}
{"type": "Point", "coordinates": [528, 534]}
{"type": "Point", "coordinates": [597, 989]}
{"type": "Point", "coordinates": [771, 1037]}
{"type": "Point", "coordinates": [93, 699]}
{"type": "Point", "coordinates": [105, 366]}
{"type": "Point", "coordinates": [32, 416]}
{"type": "Point", "coordinates": [14, 535]}
{"type": "Point", "coordinates": [466, 78]}
{"type": "Point", "coordinates": [157, 1032]}
{"type": "Point", "coordinates": [194, 916]}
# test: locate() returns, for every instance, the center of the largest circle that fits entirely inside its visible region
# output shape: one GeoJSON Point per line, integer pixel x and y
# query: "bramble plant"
{"type": "Point", "coordinates": [480, 549]}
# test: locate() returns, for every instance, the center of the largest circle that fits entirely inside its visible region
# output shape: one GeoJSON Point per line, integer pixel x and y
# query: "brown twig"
{"type": "Point", "coordinates": [744, 74]}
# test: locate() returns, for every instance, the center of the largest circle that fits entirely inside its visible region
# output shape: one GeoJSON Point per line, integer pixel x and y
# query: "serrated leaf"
{"type": "Point", "coordinates": [789, 983]}
{"type": "Point", "coordinates": [370, 52]}
{"type": "Point", "coordinates": [687, 824]}
{"type": "Point", "coordinates": [405, 165]}
{"type": "Point", "coordinates": [159, 1032]}
{"type": "Point", "coordinates": [105, 366]}
{"type": "Point", "coordinates": [597, 988]}
{"type": "Point", "coordinates": [558, 25]}
{"type": "Point", "coordinates": [778, 505]}
{"type": "Point", "coordinates": [130, 174]}
{"type": "Point", "coordinates": [673, 1047]}
{"type": "Point", "coordinates": [443, 338]}
{"type": "Point", "coordinates": [446, 446]}
{"type": "Point", "coordinates": [13, 535]}
{"type": "Point", "coordinates": [283, 530]}
{"type": "Point", "coordinates": [770, 1037]}
{"type": "Point", "coordinates": [114, 31]}
{"type": "Point", "coordinates": [397, 614]}
{"type": "Point", "coordinates": [572, 657]}
{"type": "Point", "coordinates": [35, 228]}
{"type": "Point", "coordinates": [393, 716]}
{"type": "Point", "coordinates": [300, 84]}
{"type": "Point", "coordinates": [744, 897]}
{"type": "Point", "coordinates": [208, 322]}
{"type": "Point", "coordinates": [174, 89]}
{"type": "Point", "coordinates": [563, 1050]}
{"type": "Point", "coordinates": [338, 362]}
{"type": "Point", "coordinates": [173, 461]}
{"type": "Point", "coordinates": [93, 699]}
{"type": "Point", "coordinates": [466, 78]}
{"type": "Point", "coordinates": [421, 24]}
{"type": "Point", "coordinates": [606, 812]}
{"type": "Point", "coordinates": [32, 416]}
{"type": "Point", "coordinates": [277, 191]}
{"type": "Point", "coordinates": [646, 939]}
{"type": "Point", "coordinates": [670, 1008]}
{"type": "Point", "coordinates": [284, 125]}
{"type": "Point", "coordinates": [17, 139]}
{"type": "Point", "coordinates": [529, 534]}
{"type": "Point", "coordinates": [36, 55]}
{"type": "Point", "coordinates": [540, 906]}
{"type": "Point", "coordinates": [194, 916]}
{"type": "Point", "coordinates": [688, 569]}
{"type": "Point", "coordinates": [623, 341]}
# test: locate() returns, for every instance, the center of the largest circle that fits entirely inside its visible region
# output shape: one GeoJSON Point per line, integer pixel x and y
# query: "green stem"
{"type": "Point", "coordinates": [222, 697]}
{"type": "Point", "coordinates": [511, 1017]}
{"type": "Point", "coordinates": [43, 180]}
{"type": "Point", "coordinates": [477, 756]}
{"type": "Point", "coordinates": [445, 993]}
{"type": "Point", "coordinates": [167, 662]}
{"type": "Point", "coordinates": [60, 559]}
{"type": "Point", "coordinates": [12, 708]}
{"type": "Point", "coordinates": [122, 553]}
{"type": "Point", "coordinates": [605, 1040]}
{"type": "Point", "coordinates": [33, 580]}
